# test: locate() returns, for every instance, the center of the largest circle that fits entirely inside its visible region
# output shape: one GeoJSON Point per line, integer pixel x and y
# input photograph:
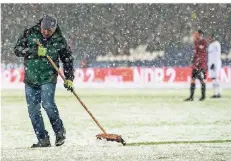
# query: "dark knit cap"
{"type": "Point", "coordinates": [48, 22]}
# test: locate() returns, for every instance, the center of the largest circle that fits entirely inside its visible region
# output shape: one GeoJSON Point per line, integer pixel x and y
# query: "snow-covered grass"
{"type": "Point", "coordinates": [156, 124]}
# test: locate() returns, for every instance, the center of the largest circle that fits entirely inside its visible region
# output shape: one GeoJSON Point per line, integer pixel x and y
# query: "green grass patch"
{"type": "Point", "coordinates": [178, 142]}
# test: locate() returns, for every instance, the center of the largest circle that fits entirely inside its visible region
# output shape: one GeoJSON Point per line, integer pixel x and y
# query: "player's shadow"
{"type": "Point", "coordinates": [177, 142]}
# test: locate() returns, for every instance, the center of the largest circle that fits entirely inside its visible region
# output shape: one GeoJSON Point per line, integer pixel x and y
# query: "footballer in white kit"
{"type": "Point", "coordinates": [214, 64]}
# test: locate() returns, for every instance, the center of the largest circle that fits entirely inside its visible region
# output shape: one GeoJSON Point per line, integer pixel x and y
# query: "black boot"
{"type": "Point", "coordinates": [192, 89]}
{"type": "Point", "coordinates": [189, 99]}
{"type": "Point", "coordinates": [60, 138]}
{"type": "Point", "coordinates": [42, 143]}
{"type": "Point", "coordinates": [203, 89]}
{"type": "Point", "coordinates": [219, 95]}
{"type": "Point", "coordinates": [214, 96]}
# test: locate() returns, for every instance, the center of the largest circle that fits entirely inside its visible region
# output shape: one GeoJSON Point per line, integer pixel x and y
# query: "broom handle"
{"type": "Point", "coordinates": [80, 101]}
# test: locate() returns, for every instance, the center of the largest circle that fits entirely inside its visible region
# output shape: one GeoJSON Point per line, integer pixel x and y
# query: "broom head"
{"type": "Point", "coordinates": [111, 137]}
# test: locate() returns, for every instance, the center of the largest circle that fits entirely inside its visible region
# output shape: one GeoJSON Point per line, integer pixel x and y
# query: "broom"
{"type": "Point", "coordinates": [104, 135]}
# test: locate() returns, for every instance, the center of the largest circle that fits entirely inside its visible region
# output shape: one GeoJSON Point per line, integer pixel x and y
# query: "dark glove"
{"type": "Point", "coordinates": [30, 52]}
{"type": "Point", "coordinates": [212, 67]}
{"type": "Point", "coordinates": [68, 84]}
{"type": "Point", "coordinates": [24, 51]}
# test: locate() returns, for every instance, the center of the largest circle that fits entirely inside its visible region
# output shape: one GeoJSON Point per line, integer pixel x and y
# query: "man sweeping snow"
{"type": "Point", "coordinates": [41, 78]}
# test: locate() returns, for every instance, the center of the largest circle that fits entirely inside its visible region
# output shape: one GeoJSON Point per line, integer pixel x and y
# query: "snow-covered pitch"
{"type": "Point", "coordinates": [156, 124]}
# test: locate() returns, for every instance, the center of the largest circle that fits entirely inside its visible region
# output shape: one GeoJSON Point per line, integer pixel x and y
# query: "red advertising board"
{"type": "Point", "coordinates": [126, 75]}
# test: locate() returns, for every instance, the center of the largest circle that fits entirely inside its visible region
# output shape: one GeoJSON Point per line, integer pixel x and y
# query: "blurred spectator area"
{"type": "Point", "coordinates": [141, 57]}
{"type": "Point", "coordinates": [115, 35]}
{"type": "Point", "coordinates": [139, 53]}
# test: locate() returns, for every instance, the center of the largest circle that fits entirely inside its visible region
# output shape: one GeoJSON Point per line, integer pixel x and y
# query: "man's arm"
{"type": "Point", "coordinates": [218, 52]}
{"type": "Point", "coordinates": [67, 60]}
{"type": "Point", "coordinates": [20, 48]}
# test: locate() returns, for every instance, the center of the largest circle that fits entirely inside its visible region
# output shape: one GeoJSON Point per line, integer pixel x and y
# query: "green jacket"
{"type": "Point", "coordinates": [38, 70]}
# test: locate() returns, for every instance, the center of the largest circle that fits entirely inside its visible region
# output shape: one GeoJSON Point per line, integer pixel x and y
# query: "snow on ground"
{"type": "Point", "coordinates": [156, 124]}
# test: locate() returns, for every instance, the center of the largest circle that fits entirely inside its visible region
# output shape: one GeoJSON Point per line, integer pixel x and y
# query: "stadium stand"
{"type": "Point", "coordinates": [117, 35]}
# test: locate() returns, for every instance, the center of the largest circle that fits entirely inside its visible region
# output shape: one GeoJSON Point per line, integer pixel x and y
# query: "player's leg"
{"type": "Point", "coordinates": [216, 86]}
{"type": "Point", "coordinates": [33, 98]}
{"type": "Point", "coordinates": [192, 85]}
{"type": "Point", "coordinates": [202, 78]}
{"type": "Point", "coordinates": [212, 75]}
{"type": "Point", "coordinates": [48, 103]}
